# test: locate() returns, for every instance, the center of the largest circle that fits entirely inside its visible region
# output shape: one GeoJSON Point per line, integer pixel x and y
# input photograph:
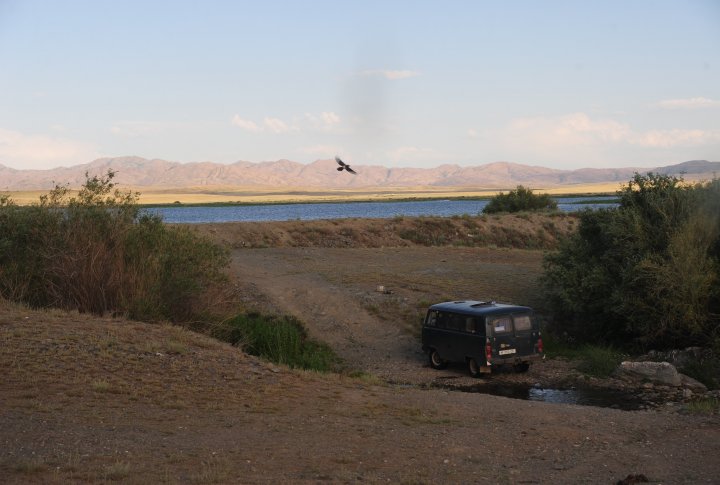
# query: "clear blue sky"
{"type": "Point", "coordinates": [563, 84]}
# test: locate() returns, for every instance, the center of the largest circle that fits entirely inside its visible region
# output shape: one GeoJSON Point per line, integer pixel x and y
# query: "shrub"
{"type": "Point", "coordinates": [704, 406]}
{"type": "Point", "coordinates": [282, 340]}
{"type": "Point", "coordinates": [520, 199]}
{"type": "Point", "coordinates": [98, 253]}
{"type": "Point", "coordinates": [598, 361]}
{"type": "Point", "coordinates": [645, 274]}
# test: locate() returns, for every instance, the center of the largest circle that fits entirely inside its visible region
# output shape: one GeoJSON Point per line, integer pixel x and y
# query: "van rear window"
{"type": "Point", "coordinates": [522, 322]}
{"type": "Point", "coordinates": [501, 324]}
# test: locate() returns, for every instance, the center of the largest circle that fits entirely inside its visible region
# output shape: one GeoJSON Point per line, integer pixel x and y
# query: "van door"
{"type": "Point", "coordinates": [525, 336]}
{"type": "Point", "coordinates": [456, 338]}
{"type": "Point", "coordinates": [502, 338]}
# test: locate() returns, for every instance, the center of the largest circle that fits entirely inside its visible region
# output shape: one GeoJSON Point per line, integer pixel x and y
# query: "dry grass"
{"type": "Point", "coordinates": [528, 231]}
{"type": "Point", "coordinates": [234, 194]}
{"type": "Point", "coordinates": [151, 195]}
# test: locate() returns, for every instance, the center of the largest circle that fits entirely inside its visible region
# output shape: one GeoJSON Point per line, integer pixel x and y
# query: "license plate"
{"type": "Point", "coordinates": [507, 351]}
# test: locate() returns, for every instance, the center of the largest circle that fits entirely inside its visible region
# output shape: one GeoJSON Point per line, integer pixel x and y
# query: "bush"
{"type": "Point", "coordinates": [598, 361]}
{"type": "Point", "coordinates": [704, 406]}
{"type": "Point", "coordinates": [98, 253]}
{"type": "Point", "coordinates": [282, 340]}
{"type": "Point", "coordinates": [645, 274]}
{"type": "Point", "coordinates": [520, 199]}
{"type": "Point", "coordinates": [595, 360]}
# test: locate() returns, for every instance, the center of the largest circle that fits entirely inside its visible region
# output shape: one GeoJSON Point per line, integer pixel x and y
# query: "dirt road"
{"type": "Point", "coordinates": [335, 293]}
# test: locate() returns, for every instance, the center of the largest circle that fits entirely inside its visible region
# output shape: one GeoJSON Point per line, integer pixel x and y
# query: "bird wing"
{"type": "Point", "coordinates": [347, 167]}
{"type": "Point", "coordinates": [340, 162]}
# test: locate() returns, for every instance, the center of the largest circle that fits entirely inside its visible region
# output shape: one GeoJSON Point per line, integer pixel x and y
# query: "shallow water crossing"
{"type": "Point", "coordinates": [606, 398]}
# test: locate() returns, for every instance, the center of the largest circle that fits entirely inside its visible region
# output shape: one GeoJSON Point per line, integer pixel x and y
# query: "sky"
{"type": "Point", "coordinates": [560, 84]}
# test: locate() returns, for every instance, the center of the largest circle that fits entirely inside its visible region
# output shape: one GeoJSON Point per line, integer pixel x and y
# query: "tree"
{"type": "Point", "coordinates": [520, 199]}
{"type": "Point", "coordinates": [644, 274]}
{"type": "Point", "coordinates": [98, 252]}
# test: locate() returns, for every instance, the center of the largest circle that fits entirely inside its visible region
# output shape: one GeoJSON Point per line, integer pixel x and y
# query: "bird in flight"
{"type": "Point", "coordinates": [344, 166]}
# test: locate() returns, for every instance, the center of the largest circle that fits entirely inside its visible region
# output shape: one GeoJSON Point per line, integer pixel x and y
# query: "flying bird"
{"type": "Point", "coordinates": [344, 166]}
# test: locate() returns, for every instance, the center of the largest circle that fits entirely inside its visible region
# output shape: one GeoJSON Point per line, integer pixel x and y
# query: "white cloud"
{"type": "Point", "coordinates": [246, 125]}
{"type": "Point", "coordinates": [472, 133]}
{"type": "Point", "coordinates": [567, 130]}
{"type": "Point", "coordinates": [392, 75]}
{"type": "Point", "coordinates": [673, 138]}
{"type": "Point", "coordinates": [21, 151]}
{"type": "Point", "coordinates": [689, 103]}
{"type": "Point", "coordinates": [275, 125]}
{"type": "Point", "coordinates": [329, 118]}
{"type": "Point", "coordinates": [325, 121]}
{"type": "Point", "coordinates": [578, 129]}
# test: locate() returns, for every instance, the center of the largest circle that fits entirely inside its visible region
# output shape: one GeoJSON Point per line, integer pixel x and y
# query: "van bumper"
{"type": "Point", "coordinates": [516, 359]}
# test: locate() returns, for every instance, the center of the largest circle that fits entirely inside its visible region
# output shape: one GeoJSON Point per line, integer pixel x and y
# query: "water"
{"type": "Point", "coordinates": [380, 210]}
{"type": "Point", "coordinates": [606, 398]}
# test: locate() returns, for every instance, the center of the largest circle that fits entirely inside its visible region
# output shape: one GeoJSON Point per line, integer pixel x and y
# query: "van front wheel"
{"type": "Point", "coordinates": [436, 361]}
{"type": "Point", "coordinates": [473, 368]}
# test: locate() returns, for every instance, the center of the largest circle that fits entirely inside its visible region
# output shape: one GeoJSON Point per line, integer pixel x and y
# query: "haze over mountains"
{"type": "Point", "coordinates": [141, 172]}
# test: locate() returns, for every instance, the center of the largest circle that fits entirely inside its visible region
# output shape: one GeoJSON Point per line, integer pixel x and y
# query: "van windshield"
{"type": "Point", "coordinates": [501, 324]}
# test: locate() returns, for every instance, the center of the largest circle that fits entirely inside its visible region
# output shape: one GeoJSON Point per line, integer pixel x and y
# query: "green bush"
{"type": "Point", "coordinates": [96, 252]}
{"type": "Point", "coordinates": [645, 274]}
{"type": "Point", "coordinates": [282, 340]}
{"type": "Point", "coordinates": [704, 406]}
{"type": "Point", "coordinates": [598, 361]}
{"type": "Point", "coordinates": [520, 199]}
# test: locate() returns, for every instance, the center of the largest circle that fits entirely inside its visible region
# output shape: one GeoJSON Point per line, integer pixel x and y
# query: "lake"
{"type": "Point", "coordinates": [380, 210]}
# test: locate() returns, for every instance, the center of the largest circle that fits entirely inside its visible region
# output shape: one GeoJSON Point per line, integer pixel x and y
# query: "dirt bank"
{"type": "Point", "coordinates": [530, 231]}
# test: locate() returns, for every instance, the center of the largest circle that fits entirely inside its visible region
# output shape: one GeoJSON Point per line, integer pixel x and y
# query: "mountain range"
{"type": "Point", "coordinates": [141, 172]}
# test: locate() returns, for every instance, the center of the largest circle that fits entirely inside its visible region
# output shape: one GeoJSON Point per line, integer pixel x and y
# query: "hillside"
{"type": "Point", "coordinates": [139, 172]}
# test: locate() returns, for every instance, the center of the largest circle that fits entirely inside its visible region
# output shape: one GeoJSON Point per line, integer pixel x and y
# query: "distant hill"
{"type": "Point", "coordinates": [141, 172]}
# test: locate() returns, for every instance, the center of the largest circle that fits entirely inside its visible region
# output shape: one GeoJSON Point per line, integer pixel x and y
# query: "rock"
{"type": "Point", "coordinates": [662, 373]}
{"type": "Point", "coordinates": [633, 478]}
{"type": "Point", "coordinates": [691, 384]}
{"type": "Point", "coordinates": [680, 358]}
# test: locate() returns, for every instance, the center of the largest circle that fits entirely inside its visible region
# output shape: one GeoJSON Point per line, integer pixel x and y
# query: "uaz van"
{"type": "Point", "coordinates": [482, 334]}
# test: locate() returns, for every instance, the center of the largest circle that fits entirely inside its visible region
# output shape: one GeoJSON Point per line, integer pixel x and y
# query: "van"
{"type": "Point", "coordinates": [481, 334]}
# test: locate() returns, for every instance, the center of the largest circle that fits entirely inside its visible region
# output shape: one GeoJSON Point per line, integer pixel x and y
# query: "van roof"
{"type": "Point", "coordinates": [475, 307]}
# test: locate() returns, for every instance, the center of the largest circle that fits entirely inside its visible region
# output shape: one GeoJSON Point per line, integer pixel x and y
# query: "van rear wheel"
{"type": "Point", "coordinates": [436, 362]}
{"type": "Point", "coordinates": [473, 368]}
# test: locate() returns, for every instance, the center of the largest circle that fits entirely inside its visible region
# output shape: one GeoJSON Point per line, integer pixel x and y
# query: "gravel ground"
{"type": "Point", "coordinates": [97, 400]}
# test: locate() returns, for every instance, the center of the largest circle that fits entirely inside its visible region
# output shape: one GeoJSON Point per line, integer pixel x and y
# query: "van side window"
{"type": "Point", "coordinates": [431, 320]}
{"type": "Point", "coordinates": [456, 322]}
{"type": "Point", "coordinates": [470, 324]}
{"type": "Point", "coordinates": [522, 322]}
{"type": "Point", "coordinates": [442, 319]}
{"type": "Point", "coordinates": [501, 324]}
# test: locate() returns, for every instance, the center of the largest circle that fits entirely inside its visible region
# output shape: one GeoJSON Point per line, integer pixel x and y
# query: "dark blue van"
{"type": "Point", "coordinates": [482, 334]}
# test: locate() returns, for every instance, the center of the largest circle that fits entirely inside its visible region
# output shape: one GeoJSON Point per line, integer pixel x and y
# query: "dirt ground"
{"type": "Point", "coordinates": [90, 400]}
